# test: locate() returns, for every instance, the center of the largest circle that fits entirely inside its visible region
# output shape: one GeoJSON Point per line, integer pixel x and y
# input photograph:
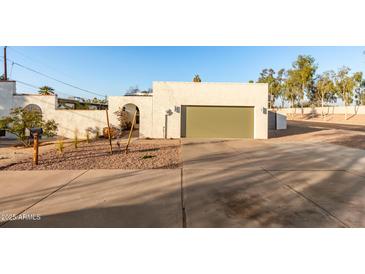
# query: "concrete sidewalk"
{"type": "Point", "coordinates": [94, 198]}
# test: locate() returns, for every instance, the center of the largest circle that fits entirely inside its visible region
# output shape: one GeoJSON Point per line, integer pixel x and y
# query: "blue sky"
{"type": "Point", "coordinates": [112, 70]}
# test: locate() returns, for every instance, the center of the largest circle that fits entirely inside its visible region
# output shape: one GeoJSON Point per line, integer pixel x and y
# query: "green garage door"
{"type": "Point", "coordinates": [217, 122]}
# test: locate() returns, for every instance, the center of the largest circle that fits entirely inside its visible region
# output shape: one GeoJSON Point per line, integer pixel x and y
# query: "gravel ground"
{"type": "Point", "coordinates": [143, 154]}
{"type": "Point", "coordinates": [12, 151]}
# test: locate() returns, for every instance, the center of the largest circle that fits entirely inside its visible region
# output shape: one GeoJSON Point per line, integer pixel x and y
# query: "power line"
{"type": "Point", "coordinates": [17, 51]}
{"type": "Point", "coordinates": [36, 87]}
{"type": "Point", "coordinates": [54, 79]}
{"type": "Point", "coordinates": [11, 69]}
{"type": "Point", "coordinates": [60, 81]}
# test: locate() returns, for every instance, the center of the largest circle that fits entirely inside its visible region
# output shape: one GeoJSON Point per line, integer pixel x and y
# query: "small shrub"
{"type": "Point", "coordinates": [96, 132]}
{"type": "Point", "coordinates": [114, 132]}
{"type": "Point", "coordinates": [20, 119]}
{"type": "Point", "coordinates": [76, 140]}
{"type": "Point", "coordinates": [88, 140]}
{"type": "Point", "coordinates": [92, 134]}
{"type": "Point", "coordinates": [123, 118]}
{"type": "Point", "coordinates": [60, 146]}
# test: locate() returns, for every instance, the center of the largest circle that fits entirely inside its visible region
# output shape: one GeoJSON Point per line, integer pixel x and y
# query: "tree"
{"type": "Point", "coordinates": [360, 94]}
{"type": "Point", "coordinates": [281, 85]}
{"type": "Point", "coordinates": [346, 84]}
{"type": "Point", "coordinates": [84, 105]}
{"type": "Point", "coordinates": [305, 68]}
{"type": "Point", "coordinates": [325, 88]}
{"type": "Point", "coordinates": [274, 83]}
{"type": "Point", "coordinates": [123, 118]}
{"type": "Point", "coordinates": [132, 90]}
{"type": "Point", "coordinates": [20, 119]}
{"type": "Point", "coordinates": [46, 90]}
{"type": "Point", "coordinates": [196, 78]}
{"type": "Point", "coordinates": [292, 88]}
{"type": "Point", "coordinates": [96, 101]}
{"type": "Point", "coordinates": [312, 93]}
{"type": "Point", "coordinates": [267, 76]}
{"type": "Point", "coordinates": [148, 91]}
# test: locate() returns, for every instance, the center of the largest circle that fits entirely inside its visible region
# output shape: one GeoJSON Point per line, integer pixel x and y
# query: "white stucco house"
{"type": "Point", "coordinates": [172, 110]}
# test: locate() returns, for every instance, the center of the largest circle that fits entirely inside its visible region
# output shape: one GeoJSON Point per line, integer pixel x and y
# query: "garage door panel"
{"type": "Point", "coordinates": [217, 122]}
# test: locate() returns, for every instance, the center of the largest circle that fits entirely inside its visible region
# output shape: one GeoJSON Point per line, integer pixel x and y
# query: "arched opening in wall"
{"type": "Point", "coordinates": [33, 107]}
{"type": "Point", "coordinates": [129, 110]}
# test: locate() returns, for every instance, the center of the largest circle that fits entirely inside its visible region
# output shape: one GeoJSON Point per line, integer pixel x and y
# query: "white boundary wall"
{"type": "Point", "coordinates": [69, 121]}
{"type": "Point", "coordinates": [351, 110]}
{"type": "Point", "coordinates": [7, 90]}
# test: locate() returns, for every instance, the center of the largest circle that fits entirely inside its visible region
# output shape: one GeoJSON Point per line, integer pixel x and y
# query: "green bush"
{"type": "Point", "coordinates": [20, 119]}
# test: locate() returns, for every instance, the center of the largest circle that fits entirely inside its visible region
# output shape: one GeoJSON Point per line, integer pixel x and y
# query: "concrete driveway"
{"type": "Point", "coordinates": [223, 183]}
{"type": "Point", "coordinates": [231, 183]}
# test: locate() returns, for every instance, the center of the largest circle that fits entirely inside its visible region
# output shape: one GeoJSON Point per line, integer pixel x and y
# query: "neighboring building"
{"type": "Point", "coordinates": [78, 103]}
{"type": "Point", "coordinates": [172, 110]}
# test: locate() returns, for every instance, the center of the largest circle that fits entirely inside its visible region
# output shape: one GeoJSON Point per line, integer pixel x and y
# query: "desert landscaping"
{"type": "Point", "coordinates": [142, 154]}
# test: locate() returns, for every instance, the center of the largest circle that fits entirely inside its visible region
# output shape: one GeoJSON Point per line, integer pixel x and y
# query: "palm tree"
{"type": "Point", "coordinates": [196, 78]}
{"type": "Point", "coordinates": [46, 90]}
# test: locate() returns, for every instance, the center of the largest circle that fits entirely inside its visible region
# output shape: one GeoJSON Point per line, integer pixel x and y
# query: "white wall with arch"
{"type": "Point", "coordinates": [144, 104]}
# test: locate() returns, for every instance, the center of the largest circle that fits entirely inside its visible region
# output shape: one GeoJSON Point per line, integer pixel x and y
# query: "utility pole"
{"type": "Point", "coordinates": [5, 66]}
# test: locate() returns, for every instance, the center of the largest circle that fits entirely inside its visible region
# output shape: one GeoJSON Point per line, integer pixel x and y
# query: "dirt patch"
{"type": "Point", "coordinates": [143, 154]}
{"type": "Point", "coordinates": [358, 119]}
{"type": "Point", "coordinates": [303, 131]}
